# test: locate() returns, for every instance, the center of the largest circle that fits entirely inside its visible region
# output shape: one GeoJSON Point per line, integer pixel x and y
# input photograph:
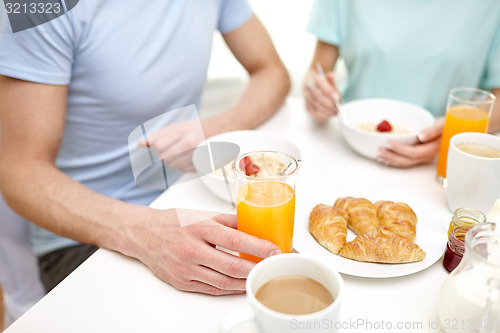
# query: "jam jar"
{"type": "Point", "coordinates": [455, 248]}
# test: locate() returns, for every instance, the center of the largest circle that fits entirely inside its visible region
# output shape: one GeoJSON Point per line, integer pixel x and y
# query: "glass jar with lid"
{"type": "Point", "coordinates": [466, 217]}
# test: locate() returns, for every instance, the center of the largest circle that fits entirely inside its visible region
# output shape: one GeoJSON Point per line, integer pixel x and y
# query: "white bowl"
{"type": "Point", "coordinates": [251, 140]}
{"type": "Point", "coordinates": [405, 115]}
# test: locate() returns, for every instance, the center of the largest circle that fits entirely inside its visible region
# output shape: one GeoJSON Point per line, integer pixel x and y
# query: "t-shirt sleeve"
{"type": "Point", "coordinates": [325, 21]}
{"type": "Point", "coordinates": [42, 54]}
{"type": "Point", "coordinates": [233, 14]}
{"type": "Point", "coordinates": [491, 77]}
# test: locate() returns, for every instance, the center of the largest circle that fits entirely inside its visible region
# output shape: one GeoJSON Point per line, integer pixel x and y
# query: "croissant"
{"type": "Point", "coordinates": [362, 214]}
{"type": "Point", "coordinates": [383, 246]}
{"type": "Point", "coordinates": [329, 226]}
{"type": "Point", "coordinates": [398, 217]}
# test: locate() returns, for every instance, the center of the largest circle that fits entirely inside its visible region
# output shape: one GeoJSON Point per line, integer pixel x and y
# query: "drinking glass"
{"type": "Point", "coordinates": [468, 110]}
{"type": "Point", "coordinates": [265, 205]}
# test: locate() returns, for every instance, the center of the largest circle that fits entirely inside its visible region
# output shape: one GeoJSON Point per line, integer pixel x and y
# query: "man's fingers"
{"type": "Point", "coordinates": [229, 220]}
{"type": "Point", "coordinates": [238, 241]}
{"type": "Point", "coordinates": [182, 161]}
{"type": "Point", "coordinates": [162, 140]}
{"type": "Point", "coordinates": [200, 287]}
{"type": "Point", "coordinates": [220, 280]}
{"type": "Point", "coordinates": [226, 264]}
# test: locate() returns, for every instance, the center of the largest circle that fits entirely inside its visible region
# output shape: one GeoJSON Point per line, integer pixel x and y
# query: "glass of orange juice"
{"type": "Point", "coordinates": [468, 110]}
{"type": "Point", "coordinates": [265, 200]}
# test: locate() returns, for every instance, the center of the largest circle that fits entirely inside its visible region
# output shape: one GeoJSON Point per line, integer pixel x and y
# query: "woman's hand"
{"type": "Point", "coordinates": [320, 94]}
{"type": "Point", "coordinates": [404, 156]}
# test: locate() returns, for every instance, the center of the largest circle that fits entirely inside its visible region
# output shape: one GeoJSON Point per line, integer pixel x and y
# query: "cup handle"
{"type": "Point", "coordinates": [490, 319]}
{"type": "Point", "coordinates": [235, 318]}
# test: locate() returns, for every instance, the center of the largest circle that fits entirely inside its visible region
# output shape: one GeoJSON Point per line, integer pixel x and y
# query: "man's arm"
{"type": "Point", "coordinates": [266, 90]}
{"type": "Point", "coordinates": [494, 124]}
{"type": "Point", "coordinates": [268, 85]}
{"type": "Point", "coordinates": [2, 311]}
{"type": "Point", "coordinates": [32, 118]}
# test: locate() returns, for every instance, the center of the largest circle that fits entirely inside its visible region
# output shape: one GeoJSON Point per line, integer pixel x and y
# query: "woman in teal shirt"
{"type": "Point", "coordinates": [412, 50]}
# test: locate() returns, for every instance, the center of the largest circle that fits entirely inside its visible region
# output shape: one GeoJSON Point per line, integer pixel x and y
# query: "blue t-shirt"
{"type": "Point", "coordinates": [125, 62]}
{"type": "Point", "coordinates": [412, 50]}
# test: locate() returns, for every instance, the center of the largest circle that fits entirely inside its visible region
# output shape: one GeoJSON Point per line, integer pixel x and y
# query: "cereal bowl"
{"type": "Point", "coordinates": [360, 132]}
{"type": "Point", "coordinates": [246, 141]}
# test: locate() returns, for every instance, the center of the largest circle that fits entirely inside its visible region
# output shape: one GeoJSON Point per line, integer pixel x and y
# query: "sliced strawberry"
{"type": "Point", "coordinates": [384, 126]}
{"type": "Point", "coordinates": [244, 162]}
{"type": "Point", "coordinates": [251, 169]}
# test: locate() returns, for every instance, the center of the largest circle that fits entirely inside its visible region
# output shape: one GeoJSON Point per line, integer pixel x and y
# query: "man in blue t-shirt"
{"type": "Point", "coordinates": [71, 92]}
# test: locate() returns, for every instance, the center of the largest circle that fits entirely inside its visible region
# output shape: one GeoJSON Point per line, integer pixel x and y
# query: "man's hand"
{"type": "Point", "coordinates": [404, 156]}
{"type": "Point", "coordinates": [187, 258]}
{"type": "Point", "coordinates": [175, 143]}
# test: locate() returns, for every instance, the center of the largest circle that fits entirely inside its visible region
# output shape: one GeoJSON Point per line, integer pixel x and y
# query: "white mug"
{"type": "Point", "coordinates": [473, 181]}
{"type": "Point", "coordinates": [269, 320]}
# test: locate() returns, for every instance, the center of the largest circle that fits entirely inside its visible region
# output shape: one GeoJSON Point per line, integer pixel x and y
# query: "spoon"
{"type": "Point", "coordinates": [283, 172]}
{"type": "Point", "coordinates": [339, 106]}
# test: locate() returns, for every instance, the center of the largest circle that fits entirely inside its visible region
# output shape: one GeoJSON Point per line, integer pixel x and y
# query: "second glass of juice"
{"type": "Point", "coordinates": [266, 200]}
{"type": "Point", "coordinates": [468, 110]}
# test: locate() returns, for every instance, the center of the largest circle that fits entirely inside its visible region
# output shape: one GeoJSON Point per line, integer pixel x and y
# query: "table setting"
{"type": "Point", "coordinates": [322, 164]}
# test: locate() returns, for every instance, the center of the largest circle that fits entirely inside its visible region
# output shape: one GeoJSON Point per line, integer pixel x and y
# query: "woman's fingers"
{"type": "Point", "coordinates": [318, 113]}
{"type": "Point", "coordinates": [401, 155]}
{"type": "Point", "coordinates": [433, 132]}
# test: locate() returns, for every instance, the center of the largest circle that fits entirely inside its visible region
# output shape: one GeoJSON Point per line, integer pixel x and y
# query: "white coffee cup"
{"type": "Point", "coordinates": [269, 320]}
{"type": "Point", "coordinates": [473, 181]}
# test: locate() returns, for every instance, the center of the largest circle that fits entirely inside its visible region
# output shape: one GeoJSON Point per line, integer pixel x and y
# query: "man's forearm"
{"type": "Point", "coordinates": [2, 311]}
{"type": "Point", "coordinates": [263, 95]}
{"type": "Point", "coordinates": [54, 201]}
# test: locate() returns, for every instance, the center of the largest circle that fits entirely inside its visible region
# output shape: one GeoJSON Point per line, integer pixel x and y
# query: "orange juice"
{"type": "Point", "coordinates": [459, 118]}
{"type": "Point", "coordinates": [266, 210]}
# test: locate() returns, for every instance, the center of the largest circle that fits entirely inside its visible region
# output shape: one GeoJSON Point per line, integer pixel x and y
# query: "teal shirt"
{"type": "Point", "coordinates": [412, 50]}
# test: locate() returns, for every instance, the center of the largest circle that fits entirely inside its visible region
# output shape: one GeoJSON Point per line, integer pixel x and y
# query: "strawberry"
{"type": "Point", "coordinates": [251, 169]}
{"type": "Point", "coordinates": [384, 126]}
{"type": "Point", "coordinates": [244, 162]}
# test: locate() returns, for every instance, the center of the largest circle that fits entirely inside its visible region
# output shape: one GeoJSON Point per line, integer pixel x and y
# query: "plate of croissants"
{"type": "Point", "coordinates": [376, 237]}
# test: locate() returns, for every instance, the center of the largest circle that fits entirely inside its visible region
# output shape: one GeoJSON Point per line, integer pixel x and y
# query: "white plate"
{"type": "Point", "coordinates": [431, 237]}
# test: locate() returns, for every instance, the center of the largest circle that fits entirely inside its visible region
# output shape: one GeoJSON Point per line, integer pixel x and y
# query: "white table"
{"type": "Point", "coordinates": [114, 293]}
